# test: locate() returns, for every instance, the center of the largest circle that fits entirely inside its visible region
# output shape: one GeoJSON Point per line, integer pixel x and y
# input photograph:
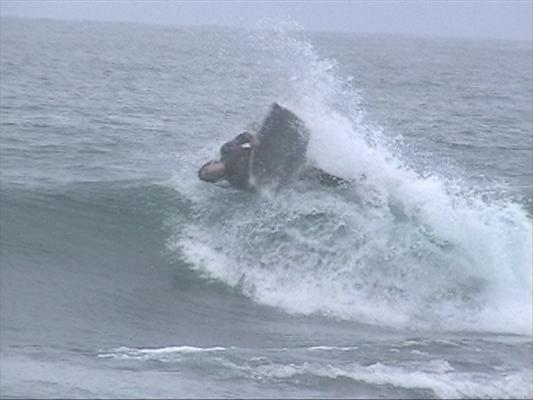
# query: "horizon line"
{"type": "Point", "coordinates": [250, 28]}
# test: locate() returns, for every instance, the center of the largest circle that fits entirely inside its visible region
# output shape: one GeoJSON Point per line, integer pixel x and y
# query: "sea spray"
{"type": "Point", "coordinates": [398, 247]}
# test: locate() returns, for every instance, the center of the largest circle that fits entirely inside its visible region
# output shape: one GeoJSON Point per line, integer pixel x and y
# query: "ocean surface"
{"type": "Point", "coordinates": [123, 275]}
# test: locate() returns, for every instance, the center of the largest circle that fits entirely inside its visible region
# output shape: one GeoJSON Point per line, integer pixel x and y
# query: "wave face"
{"type": "Point", "coordinates": [404, 246]}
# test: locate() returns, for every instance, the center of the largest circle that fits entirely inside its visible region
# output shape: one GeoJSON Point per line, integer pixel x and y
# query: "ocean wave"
{"type": "Point", "coordinates": [435, 375]}
{"type": "Point", "coordinates": [441, 378]}
{"type": "Point", "coordinates": [401, 247]}
{"type": "Point", "coordinates": [161, 353]}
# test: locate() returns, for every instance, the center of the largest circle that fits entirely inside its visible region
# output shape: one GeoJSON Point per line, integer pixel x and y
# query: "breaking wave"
{"type": "Point", "coordinates": [401, 246]}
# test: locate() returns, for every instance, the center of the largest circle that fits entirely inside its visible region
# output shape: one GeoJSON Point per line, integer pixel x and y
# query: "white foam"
{"type": "Point", "coordinates": [401, 249]}
{"type": "Point", "coordinates": [333, 348]}
{"type": "Point", "coordinates": [156, 353]}
{"type": "Point", "coordinates": [445, 382]}
{"type": "Point", "coordinates": [436, 375]}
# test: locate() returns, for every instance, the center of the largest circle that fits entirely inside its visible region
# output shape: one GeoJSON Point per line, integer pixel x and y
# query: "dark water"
{"type": "Point", "coordinates": [122, 275]}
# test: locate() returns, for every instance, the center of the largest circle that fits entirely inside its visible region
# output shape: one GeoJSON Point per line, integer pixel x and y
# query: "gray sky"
{"type": "Point", "coordinates": [489, 19]}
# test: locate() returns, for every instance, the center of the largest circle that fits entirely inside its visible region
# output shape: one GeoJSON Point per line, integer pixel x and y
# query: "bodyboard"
{"type": "Point", "coordinates": [280, 155]}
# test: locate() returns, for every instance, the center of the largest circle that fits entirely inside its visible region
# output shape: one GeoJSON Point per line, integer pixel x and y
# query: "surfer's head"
{"type": "Point", "coordinates": [212, 171]}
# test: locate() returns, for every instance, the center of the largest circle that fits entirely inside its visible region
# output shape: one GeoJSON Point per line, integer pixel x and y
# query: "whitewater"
{"type": "Point", "coordinates": [123, 275]}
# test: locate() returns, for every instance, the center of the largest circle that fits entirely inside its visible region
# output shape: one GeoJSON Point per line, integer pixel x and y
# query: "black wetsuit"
{"type": "Point", "coordinates": [237, 160]}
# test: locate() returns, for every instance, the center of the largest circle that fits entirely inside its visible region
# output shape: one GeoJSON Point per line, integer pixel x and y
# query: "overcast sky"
{"type": "Point", "coordinates": [488, 19]}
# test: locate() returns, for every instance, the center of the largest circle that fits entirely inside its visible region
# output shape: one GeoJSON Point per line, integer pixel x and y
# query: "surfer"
{"type": "Point", "coordinates": [274, 155]}
{"type": "Point", "coordinates": [236, 157]}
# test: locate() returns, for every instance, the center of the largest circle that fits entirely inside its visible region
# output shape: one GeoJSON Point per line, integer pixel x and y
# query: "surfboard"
{"type": "Point", "coordinates": [283, 143]}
